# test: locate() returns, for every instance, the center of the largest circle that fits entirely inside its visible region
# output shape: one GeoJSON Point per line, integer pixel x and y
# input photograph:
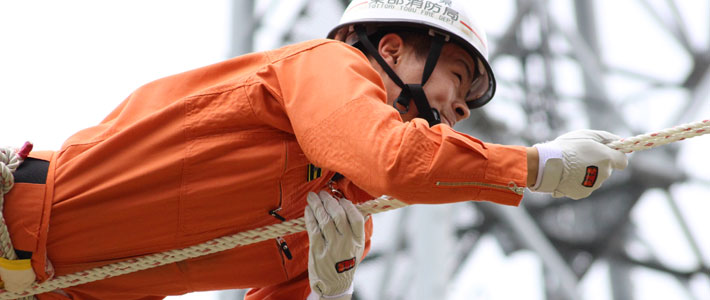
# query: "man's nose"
{"type": "Point", "coordinates": [461, 110]}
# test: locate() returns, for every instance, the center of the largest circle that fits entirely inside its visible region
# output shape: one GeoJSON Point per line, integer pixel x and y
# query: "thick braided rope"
{"type": "Point", "coordinates": [10, 160]}
{"type": "Point", "coordinates": [381, 204]}
{"type": "Point", "coordinates": [651, 140]}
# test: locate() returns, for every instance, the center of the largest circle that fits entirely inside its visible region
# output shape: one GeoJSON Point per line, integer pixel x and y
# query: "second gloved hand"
{"type": "Point", "coordinates": [577, 163]}
{"type": "Point", "coordinates": [336, 230]}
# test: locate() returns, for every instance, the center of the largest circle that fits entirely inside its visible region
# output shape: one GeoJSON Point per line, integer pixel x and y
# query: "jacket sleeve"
{"type": "Point", "coordinates": [336, 104]}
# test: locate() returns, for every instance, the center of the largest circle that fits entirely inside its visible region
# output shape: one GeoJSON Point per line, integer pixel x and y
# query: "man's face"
{"type": "Point", "coordinates": [447, 87]}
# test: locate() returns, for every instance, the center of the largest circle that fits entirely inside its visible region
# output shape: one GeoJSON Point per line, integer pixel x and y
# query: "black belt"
{"type": "Point", "coordinates": [32, 170]}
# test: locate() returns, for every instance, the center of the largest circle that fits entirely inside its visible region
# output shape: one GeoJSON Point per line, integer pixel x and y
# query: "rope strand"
{"type": "Point", "coordinates": [381, 204]}
{"type": "Point", "coordinates": [10, 160]}
{"type": "Point", "coordinates": [663, 137]}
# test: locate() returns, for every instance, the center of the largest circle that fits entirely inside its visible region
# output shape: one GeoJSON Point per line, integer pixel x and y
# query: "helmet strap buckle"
{"type": "Point", "coordinates": [426, 112]}
{"type": "Point", "coordinates": [402, 100]}
{"type": "Point", "coordinates": [434, 33]}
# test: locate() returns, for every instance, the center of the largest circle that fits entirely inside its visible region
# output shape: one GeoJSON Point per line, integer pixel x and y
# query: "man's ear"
{"type": "Point", "coordinates": [391, 48]}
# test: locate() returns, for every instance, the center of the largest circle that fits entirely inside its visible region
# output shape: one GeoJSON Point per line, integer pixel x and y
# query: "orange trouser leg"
{"type": "Point", "coordinates": [297, 288]}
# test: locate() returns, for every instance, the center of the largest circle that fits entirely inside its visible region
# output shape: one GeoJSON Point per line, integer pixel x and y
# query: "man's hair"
{"type": "Point", "coordinates": [418, 39]}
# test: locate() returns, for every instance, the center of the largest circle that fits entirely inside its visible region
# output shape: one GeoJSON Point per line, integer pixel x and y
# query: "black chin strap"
{"type": "Point", "coordinates": [409, 91]}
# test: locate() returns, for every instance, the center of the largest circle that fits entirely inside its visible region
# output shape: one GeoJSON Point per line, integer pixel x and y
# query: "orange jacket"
{"type": "Point", "coordinates": [212, 151]}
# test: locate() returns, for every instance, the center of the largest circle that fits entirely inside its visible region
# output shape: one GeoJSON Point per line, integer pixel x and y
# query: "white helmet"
{"type": "Point", "coordinates": [447, 18]}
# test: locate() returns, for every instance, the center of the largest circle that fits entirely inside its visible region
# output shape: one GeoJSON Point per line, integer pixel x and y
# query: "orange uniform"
{"type": "Point", "coordinates": [212, 151]}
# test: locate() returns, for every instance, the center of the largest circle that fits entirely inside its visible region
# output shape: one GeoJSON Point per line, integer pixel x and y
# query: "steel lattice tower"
{"type": "Point", "coordinates": [554, 76]}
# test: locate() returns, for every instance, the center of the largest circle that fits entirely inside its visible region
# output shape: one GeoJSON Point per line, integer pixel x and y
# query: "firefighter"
{"type": "Point", "coordinates": [239, 144]}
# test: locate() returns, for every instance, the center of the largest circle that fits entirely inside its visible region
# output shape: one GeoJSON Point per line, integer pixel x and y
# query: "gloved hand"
{"type": "Point", "coordinates": [336, 230]}
{"type": "Point", "coordinates": [17, 275]}
{"type": "Point", "coordinates": [577, 163]}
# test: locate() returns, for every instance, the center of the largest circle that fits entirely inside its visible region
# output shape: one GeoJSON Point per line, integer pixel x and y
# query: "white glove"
{"type": "Point", "coordinates": [336, 230]}
{"type": "Point", "coordinates": [16, 275]}
{"type": "Point", "coordinates": [577, 163]}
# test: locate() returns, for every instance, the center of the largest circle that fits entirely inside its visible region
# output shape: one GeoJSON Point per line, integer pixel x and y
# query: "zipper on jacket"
{"type": "Point", "coordinates": [510, 187]}
{"type": "Point", "coordinates": [284, 247]}
{"type": "Point", "coordinates": [275, 214]}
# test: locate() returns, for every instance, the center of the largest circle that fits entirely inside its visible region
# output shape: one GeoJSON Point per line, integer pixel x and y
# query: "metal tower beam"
{"type": "Point", "coordinates": [243, 25]}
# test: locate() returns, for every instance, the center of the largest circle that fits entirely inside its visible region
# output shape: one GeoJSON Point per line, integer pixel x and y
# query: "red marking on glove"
{"type": "Point", "coordinates": [591, 177]}
{"type": "Point", "coordinates": [345, 265]}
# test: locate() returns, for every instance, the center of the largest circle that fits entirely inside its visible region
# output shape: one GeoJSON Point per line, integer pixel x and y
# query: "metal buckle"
{"type": "Point", "coordinates": [433, 32]}
{"type": "Point", "coordinates": [334, 191]}
{"type": "Point", "coordinates": [406, 108]}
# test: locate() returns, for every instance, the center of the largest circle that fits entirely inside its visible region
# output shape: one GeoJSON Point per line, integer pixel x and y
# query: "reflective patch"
{"type": "Point", "coordinates": [591, 177]}
{"type": "Point", "coordinates": [345, 265]}
{"type": "Point", "coordinates": [313, 172]}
